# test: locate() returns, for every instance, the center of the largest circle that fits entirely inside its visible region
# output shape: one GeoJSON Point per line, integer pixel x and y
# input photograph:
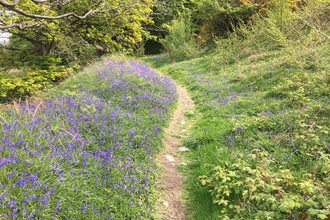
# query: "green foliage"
{"type": "Point", "coordinates": [180, 43]}
{"type": "Point", "coordinates": [306, 31]}
{"type": "Point", "coordinates": [163, 13]}
{"type": "Point", "coordinates": [74, 50]}
{"type": "Point", "coordinates": [49, 62]}
{"type": "Point", "coordinates": [109, 26]}
{"type": "Point", "coordinates": [227, 49]}
{"type": "Point", "coordinates": [14, 58]}
{"type": "Point", "coordinates": [297, 31]}
{"type": "Point", "coordinates": [6, 61]}
{"type": "Point", "coordinates": [261, 34]}
{"type": "Point", "coordinates": [251, 188]}
{"type": "Point", "coordinates": [166, 11]}
{"type": "Point", "coordinates": [28, 73]}
{"type": "Point", "coordinates": [13, 87]}
{"type": "Point", "coordinates": [20, 53]}
{"type": "Point", "coordinates": [261, 144]}
{"type": "Point", "coordinates": [218, 18]}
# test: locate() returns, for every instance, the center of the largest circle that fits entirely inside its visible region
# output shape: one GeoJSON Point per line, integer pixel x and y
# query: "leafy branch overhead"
{"type": "Point", "coordinates": [51, 10]}
{"type": "Point", "coordinates": [74, 30]}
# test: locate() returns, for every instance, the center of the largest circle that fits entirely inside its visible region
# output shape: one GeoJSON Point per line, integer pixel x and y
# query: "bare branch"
{"type": "Point", "coordinates": [23, 36]}
{"type": "Point", "coordinates": [8, 5]}
{"type": "Point", "coordinates": [315, 28]}
{"type": "Point", "coordinates": [19, 26]}
{"type": "Point", "coordinates": [36, 16]}
{"type": "Point", "coordinates": [40, 1]}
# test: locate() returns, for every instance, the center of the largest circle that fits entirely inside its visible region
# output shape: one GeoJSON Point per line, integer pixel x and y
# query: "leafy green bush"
{"type": "Point", "coordinates": [219, 18]}
{"type": "Point", "coordinates": [12, 87]}
{"type": "Point", "coordinates": [306, 31]}
{"type": "Point", "coordinates": [73, 50]}
{"type": "Point", "coordinates": [251, 188]}
{"type": "Point", "coordinates": [180, 43]}
{"type": "Point", "coordinates": [297, 31]}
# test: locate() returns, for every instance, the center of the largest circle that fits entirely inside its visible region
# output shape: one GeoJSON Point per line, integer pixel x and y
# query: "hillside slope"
{"type": "Point", "coordinates": [87, 149]}
{"type": "Point", "coordinates": [261, 149]}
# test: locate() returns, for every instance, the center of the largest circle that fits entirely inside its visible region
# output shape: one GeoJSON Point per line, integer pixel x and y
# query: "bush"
{"type": "Point", "coordinates": [297, 32]}
{"type": "Point", "coordinates": [12, 87]}
{"type": "Point", "coordinates": [180, 43]}
{"type": "Point", "coordinates": [251, 186]}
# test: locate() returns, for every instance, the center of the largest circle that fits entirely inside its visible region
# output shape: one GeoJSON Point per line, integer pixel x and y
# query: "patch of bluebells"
{"type": "Point", "coordinates": [216, 93]}
{"type": "Point", "coordinates": [87, 156]}
{"type": "Point", "coordinates": [274, 122]}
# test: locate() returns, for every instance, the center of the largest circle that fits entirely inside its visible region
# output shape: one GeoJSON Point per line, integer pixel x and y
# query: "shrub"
{"type": "Point", "coordinates": [252, 187]}
{"type": "Point", "coordinates": [297, 31]}
{"type": "Point", "coordinates": [12, 87]}
{"type": "Point", "coordinates": [180, 43]}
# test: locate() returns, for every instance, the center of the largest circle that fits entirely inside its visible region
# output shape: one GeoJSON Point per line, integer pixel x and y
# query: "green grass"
{"type": "Point", "coordinates": [260, 145]}
{"type": "Point", "coordinates": [262, 118]}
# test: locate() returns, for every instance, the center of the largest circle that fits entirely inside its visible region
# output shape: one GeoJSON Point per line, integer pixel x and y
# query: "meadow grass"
{"type": "Point", "coordinates": [260, 146]}
{"type": "Point", "coordinates": [86, 150]}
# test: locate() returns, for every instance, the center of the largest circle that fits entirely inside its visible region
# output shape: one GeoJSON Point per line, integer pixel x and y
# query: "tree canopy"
{"type": "Point", "coordinates": [27, 13]}
{"type": "Point", "coordinates": [77, 30]}
{"type": "Point", "coordinates": [58, 26]}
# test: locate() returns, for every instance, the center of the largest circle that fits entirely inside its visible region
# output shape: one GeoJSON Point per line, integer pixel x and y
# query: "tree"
{"type": "Point", "coordinates": [107, 25]}
{"type": "Point", "coordinates": [218, 17]}
{"type": "Point", "coordinates": [164, 12]}
{"type": "Point", "coordinates": [39, 10]}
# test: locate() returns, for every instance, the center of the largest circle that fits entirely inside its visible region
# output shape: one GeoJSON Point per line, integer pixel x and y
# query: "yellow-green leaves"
{"type": "Point", "coordinates": [251, 183]}
{"type": "Point", "coordinates": [69, 28]}
{"type": "Point", "coordinates": [32, 81]}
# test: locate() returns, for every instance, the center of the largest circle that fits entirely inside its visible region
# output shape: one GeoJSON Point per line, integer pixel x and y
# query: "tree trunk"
{"type": "Point", "coordinates": [38, 47]}
{"type": "Point", "coordinates": [50, 46]}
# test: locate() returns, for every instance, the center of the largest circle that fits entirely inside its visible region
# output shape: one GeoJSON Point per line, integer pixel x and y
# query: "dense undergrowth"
{"type": "Point", "coordinates": [86, 150]}
{"type": "Point", "coordinates": [18, 87]}
{"type": "Point", "coordinates": [261, 148]}
{"type": "Point", "coordinates": [43, 73]}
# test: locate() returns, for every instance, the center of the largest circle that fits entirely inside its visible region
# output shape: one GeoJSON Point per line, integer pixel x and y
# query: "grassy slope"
{"type": "Point", "coordinates": [87, 150]}
{"type": "Point", "coordinates": [258, 102]}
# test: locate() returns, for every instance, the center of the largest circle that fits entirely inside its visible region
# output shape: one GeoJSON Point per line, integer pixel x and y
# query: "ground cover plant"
{"type": "Point", "coordinates": [260, 147]}
{"type": "Point", "coordinates": [86, 150]}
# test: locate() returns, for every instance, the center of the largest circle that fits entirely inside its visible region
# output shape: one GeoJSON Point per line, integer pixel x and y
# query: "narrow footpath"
{"type": "Point", "coordinates": [171, 205]}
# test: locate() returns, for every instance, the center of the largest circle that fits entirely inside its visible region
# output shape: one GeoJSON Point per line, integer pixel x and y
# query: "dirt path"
{"type": "Point", "coordinates": [171, 206]}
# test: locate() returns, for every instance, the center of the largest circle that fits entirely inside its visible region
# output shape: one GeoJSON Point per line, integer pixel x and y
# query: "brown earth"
{"type": "Point", "coordinates": [170, 203]}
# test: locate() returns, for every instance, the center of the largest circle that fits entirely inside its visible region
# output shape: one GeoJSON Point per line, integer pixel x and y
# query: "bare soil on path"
{"type": "Point", "coordinates": [171, 205]}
